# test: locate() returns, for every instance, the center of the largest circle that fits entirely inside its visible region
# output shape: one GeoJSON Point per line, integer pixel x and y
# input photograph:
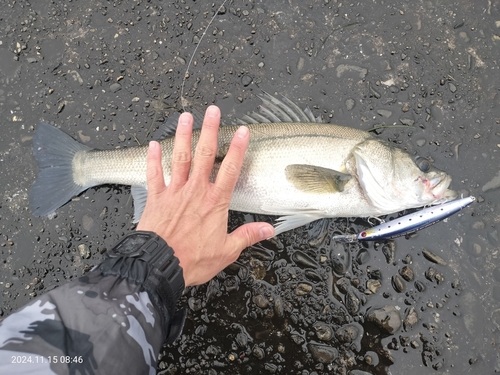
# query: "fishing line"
{"type": "Point", "coordinates": [194, 53]}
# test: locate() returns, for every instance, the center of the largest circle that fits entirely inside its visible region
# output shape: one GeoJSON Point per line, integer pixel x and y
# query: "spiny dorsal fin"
{"type": "Point", "coordinates": [314, 179]}
{"type": "Point", "coordinates": [276, 110]}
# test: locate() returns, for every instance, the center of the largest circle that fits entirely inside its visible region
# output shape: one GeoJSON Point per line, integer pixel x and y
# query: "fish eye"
{"type": "Point", "coordinates": [423, 164]}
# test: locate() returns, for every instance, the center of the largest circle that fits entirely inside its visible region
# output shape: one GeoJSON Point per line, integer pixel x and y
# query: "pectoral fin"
{"type": "Point", "coordinates": [314, 179]}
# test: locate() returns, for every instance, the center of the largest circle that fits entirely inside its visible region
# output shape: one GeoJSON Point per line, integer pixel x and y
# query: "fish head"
{"type": "Point", "coordinates": [393, 180]}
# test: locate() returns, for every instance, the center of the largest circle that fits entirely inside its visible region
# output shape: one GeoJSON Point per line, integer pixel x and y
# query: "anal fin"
{"type": "Point", "coordinates": [140, 195]}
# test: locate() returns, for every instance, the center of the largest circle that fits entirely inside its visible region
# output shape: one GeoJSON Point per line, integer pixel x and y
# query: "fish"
{"type": "Point", "coordinates": [408, 224]}
{"type": "Point", "coordinates": [296, 167]}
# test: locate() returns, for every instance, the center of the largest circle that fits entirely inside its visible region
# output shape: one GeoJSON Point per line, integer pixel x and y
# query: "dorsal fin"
{"type": "Point", "coordinates": [275, 110]}
{"type": "Point", "coordinates": [167, 129]}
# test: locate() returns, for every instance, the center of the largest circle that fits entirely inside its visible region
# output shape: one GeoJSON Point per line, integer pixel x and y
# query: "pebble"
{"type": "Point", "coordinates": [261, 301]}
{"type": "Point", "coordinates": [300, 63]}
{"type": "Point", "coordinates": [115, 87]}
{"type": "Point", "coordinates": [475, 250]}
{"type": "Point", "coordinates": [406, 121]}
{"type": "Point", "coordinates": [258, 352]}
{"type": "Point", "coordinates": [246, 80]}
{"type": "Point", "coordinates": [343, 284]}
{"type": "Point", "coordinates": [84, 251]}
{"type": "Point", "coordinates": [384, 113]}
{"type": "Point", "coordinates": [87, 222]}
{"type": "Point", "coordinates": [323, 331]}
{"type": "Point", "coordinates": [350, 334]}
{"type": "Point", "coordinates": [493, 183]}
{"type": "Point", "coordinates": [312, 275]}
{"type": "Point", "coordinates": [398, 284]}
{"type": "Point", "coordinates": [406, 107]}
{"type": "Point", "coordinates": [389, 250]}
{"type": "Point", "coordinates": [346, 68]}
{"type": "Point", "coordinates": [349, 103]}
{"type": "Point", "coordinates": [340, 260]}
{"type": "Point", "coordinates": [386, 318]}
{"type": "Point", "coordinates": [407, 273]}
{"type": "Point", "coordinates": [373, 285]}
{"type": "Point", "coordinates": [304, 260]}
{"type": "Point", "coordinates": [371, 358]}
{"type": "Point", "coordinates": [420, 142]}
{"type": "Point", "coordinates": [452, 87]}
{"type": "Point", "coordinates": [303, 289]}
{"type": "Point", "coordinates": [352, 302]}
{"type": "Point", "coordinates": [323, 353]}
{"type": "Point", "coordinates": [411, 318]}
{"type": "Point", "coordinates": [433, 257]}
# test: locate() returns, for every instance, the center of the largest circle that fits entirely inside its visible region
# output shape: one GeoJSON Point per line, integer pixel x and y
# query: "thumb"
{"type": "Point", "coordinates": [154, 171]}
{"type": "Point", "coordinates": [251, 233]}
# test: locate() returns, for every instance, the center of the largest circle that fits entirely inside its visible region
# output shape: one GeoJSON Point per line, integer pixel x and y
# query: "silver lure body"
{"type": "Point", "coordinates": [409, 223]}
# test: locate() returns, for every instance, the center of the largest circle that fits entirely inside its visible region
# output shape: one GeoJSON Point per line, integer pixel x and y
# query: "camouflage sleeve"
{"type": "Point", "coordinates": [94, 325]}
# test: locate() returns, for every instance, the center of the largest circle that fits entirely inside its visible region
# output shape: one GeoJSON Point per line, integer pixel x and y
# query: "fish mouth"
{"type": "Point", "coordinates": [438, 188]}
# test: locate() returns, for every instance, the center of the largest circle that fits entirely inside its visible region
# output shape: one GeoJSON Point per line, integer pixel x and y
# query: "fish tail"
{"type": "Point", "coordinates": [54, 151]}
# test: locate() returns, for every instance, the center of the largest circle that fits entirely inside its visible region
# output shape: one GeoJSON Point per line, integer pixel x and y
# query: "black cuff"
{"type": "Point", "coordinates": [145, 259]}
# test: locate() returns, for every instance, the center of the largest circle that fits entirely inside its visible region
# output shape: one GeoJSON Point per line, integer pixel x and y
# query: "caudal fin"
{"type": "Point", "coordinates": [54, 186]}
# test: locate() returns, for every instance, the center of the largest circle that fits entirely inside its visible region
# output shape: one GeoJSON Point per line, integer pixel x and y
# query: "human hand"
{"type": "Point", "coordinates": [191, 213]}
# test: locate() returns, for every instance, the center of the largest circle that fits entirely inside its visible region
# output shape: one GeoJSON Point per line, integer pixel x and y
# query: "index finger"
{"type": "Point", "coordinates": [230, 168]}
{"type": "Point", "coordinates": [206, 149]}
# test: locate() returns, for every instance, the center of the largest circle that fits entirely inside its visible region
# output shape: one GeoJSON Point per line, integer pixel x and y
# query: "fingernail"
{"type": "Point", "coordinates": [266, 232]}
{"type": "Point", "coordinates": [184, 119]}
{"type": "Point", "coordinates": [212, 111]}
{"type": "Point", "coordinates": [153, 145]}
{"type": "Point", "coordinates": [242, 132]}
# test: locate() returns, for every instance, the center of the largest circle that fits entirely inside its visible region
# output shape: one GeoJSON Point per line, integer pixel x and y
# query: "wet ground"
{"type": "Point", "coordinates": [109, 72]}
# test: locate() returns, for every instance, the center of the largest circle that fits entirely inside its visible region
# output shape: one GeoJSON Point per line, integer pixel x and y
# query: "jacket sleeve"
{"type": "Point", "coordinates": [94, 325]}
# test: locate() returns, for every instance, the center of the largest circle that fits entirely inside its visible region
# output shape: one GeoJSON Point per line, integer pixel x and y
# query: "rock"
{"type": "Point", "coordinates": [398, 284]}
{"type": "Point", "coordinates": [373, 285]}
{"type": "Point", "coordinates": [411, 318]}
{"type": "Point", "coordinates": [384, 113]}
{"type": "Point", "coordinates": [350, 334]}
{"type": "Point", "coordinates": [345, 68]}
{"type": "Point", "coordinates": [407, 273]}
{"type": "Point", "coordinates": [349, 103]}
{"type": "Point", "coordinates": [84, 251]}
{"type": "Point", "coordinates": [433, 257]}
{"type": "Point", "coordinates": [352, 302]}
{"type": "Point", "coordinates": [323, 331]}
{"type": "Point", "coordinates": [304, 260]}
{"type": "Point", "coordinates": [260, 301]}
{"type": "Point", "coordinates": [246, 80]}
{"type": "Point", "coordinates": [87, 222]}
{"type": "Point", "coordinates": [492, 184]}
{"type": "Point", "coordinates": [323, 353]}
{"type": "Point", "coordinates": [303, 289]}
{"type": "Point", "coordinates": [115, 87]}
{"type": "Point", "coordinates": [386, 318]}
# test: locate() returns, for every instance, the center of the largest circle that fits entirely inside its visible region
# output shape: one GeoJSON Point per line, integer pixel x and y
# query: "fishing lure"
{"type": "Point", "coordinates": [408, 223]}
